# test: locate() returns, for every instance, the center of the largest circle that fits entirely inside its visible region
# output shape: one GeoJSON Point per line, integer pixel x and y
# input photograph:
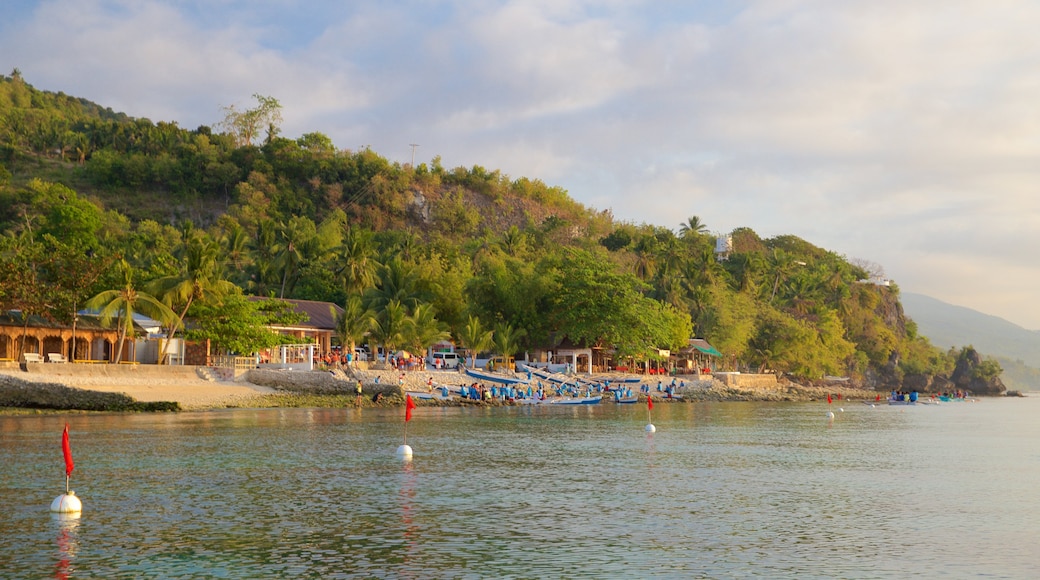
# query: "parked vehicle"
{"type": "Point", "coordinates": [448, 360]}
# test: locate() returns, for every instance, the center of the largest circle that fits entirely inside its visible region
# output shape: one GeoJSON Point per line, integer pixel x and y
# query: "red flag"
{"type": "Point", "coordinates": [828, 398]}
{"type": "Point", "coordinates": [649, 403]}
{"type": "Point", "coordinates": [67, 451]}
{"type": "Point", "coordinates": [409, 404]}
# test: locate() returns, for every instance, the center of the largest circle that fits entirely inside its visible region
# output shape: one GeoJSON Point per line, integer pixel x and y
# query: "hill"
{"type": "Point", "coordinates": [417, 254]}
{"type": "Point", "coordinates": [951, 326]}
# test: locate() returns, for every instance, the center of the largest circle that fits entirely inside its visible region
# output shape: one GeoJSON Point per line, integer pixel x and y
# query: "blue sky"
{"type": "Point", "coordinates": [902, 133]}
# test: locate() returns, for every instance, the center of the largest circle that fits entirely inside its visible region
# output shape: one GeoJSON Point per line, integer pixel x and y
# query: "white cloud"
{"type": "Point", "coordinates": [903, 133]}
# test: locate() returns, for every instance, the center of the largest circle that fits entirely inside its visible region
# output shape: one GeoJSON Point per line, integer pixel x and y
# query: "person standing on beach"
{"type": "Point", "coordinates": [357, 401]}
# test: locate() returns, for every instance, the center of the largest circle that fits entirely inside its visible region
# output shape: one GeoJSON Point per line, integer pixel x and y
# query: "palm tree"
{"type": "Point", "coordinates": [358, 268]}
{"type": "Point", "coordinates": [392, 326]}
{"type": "Point", "coordinates": [124, 303]}
{"type": "Point", "coordinates": [426, 329]}
{"type": "Point", "coordinates": [693, 226]}
{"type": "Point", "coordinates": [397, 283]}
{"type": "Point", "coordinates": [475, 339]}
{"type": "Point", "coordinates": [507, 339]}
{"type": "Point", "coordinates": [200, 277]}
{"type": "Point", "coordinates": [354, 323]}
{"type": "Point", "coordinates": [296, 245]}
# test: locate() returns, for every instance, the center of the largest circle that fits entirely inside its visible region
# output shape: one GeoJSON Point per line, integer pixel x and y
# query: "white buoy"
{"type": "Point", "coordinates": [830, 415]}
{"type": "Point", "coordinates": [404, 452]}
{"type": "Point", "coordinates": [841, 409]}
{"type": "Point", "coordinates": [67, 503]}
{"type": "Point", "coordinates": [650, 428]}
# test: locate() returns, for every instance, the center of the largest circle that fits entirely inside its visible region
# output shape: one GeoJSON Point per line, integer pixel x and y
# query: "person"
{"type": "Point", "coordinates": [357, 401]}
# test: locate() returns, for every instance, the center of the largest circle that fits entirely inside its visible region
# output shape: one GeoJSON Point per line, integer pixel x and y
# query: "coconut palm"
{"type": "Point", "coordinates": [507, 339]}
{"type": "Point", "coordinates": [123, 303]}
{"type": "Point", "coordinates": [200, 278]}
{"type": "Point", "coordinates": [392, 326]}
{"type": "Point", "coordinates": [692, 227]}
{"type": "Point", "coordinates": [475, 339]}
{"type": "Point", "coordinates": [354, 322]}
{"type": "Point", "coordinates": [426, 329]}
{"type": "Point", "coordinates": [357, 266]}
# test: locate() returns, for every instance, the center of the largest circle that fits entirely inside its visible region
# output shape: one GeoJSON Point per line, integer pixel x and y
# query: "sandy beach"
{"type": "Point", "coordinates": [190, 391]}
{"type": "Point", "coordinates": [193, 391]}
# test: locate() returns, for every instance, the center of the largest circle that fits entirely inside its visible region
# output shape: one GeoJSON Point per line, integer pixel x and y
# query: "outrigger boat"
{"type": "Point", "coordinates": [495, 377]}
{"type": "Point", "coordinates": [577, 400]}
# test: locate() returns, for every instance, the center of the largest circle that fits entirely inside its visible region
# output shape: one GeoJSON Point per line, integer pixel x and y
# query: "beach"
{"type": "Point", "coordinates": [197, 389]}
{"type": "Point", "coordinates": [189, 390]}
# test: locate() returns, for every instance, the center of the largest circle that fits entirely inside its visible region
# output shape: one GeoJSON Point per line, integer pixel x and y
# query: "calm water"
{"type": "Point", "coordinates": [729, 490]}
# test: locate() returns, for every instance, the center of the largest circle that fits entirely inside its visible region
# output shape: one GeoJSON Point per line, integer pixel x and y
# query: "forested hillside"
{"type": "Point", "coordinates": [92, 200]}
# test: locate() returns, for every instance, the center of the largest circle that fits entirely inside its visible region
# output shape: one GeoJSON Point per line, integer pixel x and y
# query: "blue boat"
{"type": "Point", "coordinates": [495, 377]}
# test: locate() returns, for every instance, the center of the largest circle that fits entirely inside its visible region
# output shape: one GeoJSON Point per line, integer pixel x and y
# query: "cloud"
{"type": "Point", "coordinates": [903, 133]}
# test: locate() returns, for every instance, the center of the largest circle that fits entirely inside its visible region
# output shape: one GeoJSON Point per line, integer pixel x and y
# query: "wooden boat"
{"type": "Point", "coordinates": [436, 395]}
{"type": "Point", "coordinates": [495, 377]}
{"type": "Point", "coordinates": [577, 400]}
{"type": "Point", "coordinates": [627, 400]}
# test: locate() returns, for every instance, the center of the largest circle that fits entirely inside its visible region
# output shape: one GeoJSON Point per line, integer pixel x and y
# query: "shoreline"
{"type": "Point", "coordinates": [190, 391]}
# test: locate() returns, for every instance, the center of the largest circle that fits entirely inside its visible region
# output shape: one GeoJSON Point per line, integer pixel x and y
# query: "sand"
{"type": "Point", "coordinates": [190, 392]}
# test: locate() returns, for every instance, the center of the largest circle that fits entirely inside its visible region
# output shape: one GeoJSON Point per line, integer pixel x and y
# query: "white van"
{"type": "Point", "coordinates": [447, 360]}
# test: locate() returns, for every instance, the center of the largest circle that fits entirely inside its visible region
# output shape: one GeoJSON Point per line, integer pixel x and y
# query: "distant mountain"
{"type": "Point", "coordinates": [947, 325]}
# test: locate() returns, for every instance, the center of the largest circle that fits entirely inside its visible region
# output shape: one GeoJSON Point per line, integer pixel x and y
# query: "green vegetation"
{"type": "Point", "coordinates": [203, 219]}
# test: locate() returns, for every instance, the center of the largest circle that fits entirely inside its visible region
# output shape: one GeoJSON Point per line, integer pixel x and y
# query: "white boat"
{"type": "Point", "coordinates": [578, 400]}
{"type": "Point", "coordinates": [627, 400]}
{"type": "Point", "coordinates": [495, 377]}
{"type": "Point", "coordinates": [436, 395]}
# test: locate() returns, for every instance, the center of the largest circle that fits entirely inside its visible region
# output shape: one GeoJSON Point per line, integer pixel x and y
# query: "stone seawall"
{"type": "Point", "coordinates": [120, 371]}
{"type": "Point", "coordinates": [317, 382]}
{"type": "Point", "coordinates": [747, 380]}
{"type": "Point", "coordinates": [15, 392]}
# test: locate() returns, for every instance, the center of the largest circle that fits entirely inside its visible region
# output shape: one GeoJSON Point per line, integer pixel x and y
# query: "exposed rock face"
{"type": "Point", "coordinates": [969, 375]}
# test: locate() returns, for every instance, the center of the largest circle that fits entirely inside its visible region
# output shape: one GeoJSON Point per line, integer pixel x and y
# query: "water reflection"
{"type": "Point", "coordinates": [406, 498]}
{"type": "Point", "coordinates": [67, 542]}
{"type": "Point", "coordinates": [721, 490]}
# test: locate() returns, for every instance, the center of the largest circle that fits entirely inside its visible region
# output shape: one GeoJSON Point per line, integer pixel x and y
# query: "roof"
{"type": "Point", "coordinates": [83, 321]}
{"type": "Point", "coordinates": [703, 346]}
{"type": "Point", "coordinates": [319, 314]}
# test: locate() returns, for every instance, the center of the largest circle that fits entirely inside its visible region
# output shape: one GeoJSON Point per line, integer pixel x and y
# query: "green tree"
{"type": "Point", "coordinates": [354, 323]}
{"type": "Point", "coordinates": [426, 329]}
{"type": "Point", "coordinates": [393, 326]}
{"type": "Point", "coordinates": [200, 277]}
{"type": "Point", "coordinates": [121, 304]}
{"type": "Point", "coordinates": [245, 126]}
{"type": "Point", "coordinates": [474, 338]}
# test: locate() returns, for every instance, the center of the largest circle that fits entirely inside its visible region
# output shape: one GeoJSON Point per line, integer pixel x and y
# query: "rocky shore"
{"type": "Point", "coordinates": [62, 387]}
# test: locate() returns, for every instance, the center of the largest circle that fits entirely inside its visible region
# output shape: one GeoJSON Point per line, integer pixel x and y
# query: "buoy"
{"type": "Point", "coordinates": [67, 503]}
{"type": "Point", "coordinates": [841, 409]}
{"type": "Point", "coordinates": [650, 428]}
{"type": "Point", "coordinates": [830, 415]}
{"type": "Point", "coordinates": [404, 452]}
{"type": "Point", "coordinates": [872, 405]}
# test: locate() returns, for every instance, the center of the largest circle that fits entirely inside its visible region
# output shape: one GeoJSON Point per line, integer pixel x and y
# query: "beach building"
{"type": "Point", "coordinates": [49, 340]}
{"type": "Point", "coordinates": [318, 327]}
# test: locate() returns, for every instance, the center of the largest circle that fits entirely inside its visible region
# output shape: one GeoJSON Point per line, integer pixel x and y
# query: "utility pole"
{"type": "Point", "coordinates": [413, 145]}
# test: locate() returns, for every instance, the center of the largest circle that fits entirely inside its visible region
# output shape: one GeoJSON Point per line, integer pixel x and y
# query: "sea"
{"type": "Point", "coordinates": [719, 490]}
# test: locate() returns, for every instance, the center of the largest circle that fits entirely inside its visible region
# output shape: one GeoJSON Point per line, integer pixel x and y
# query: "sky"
{"type": "Point", "coordinates": [904, 134]}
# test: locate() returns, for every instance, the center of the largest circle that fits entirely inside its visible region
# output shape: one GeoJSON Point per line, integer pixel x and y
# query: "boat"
{"type": "Point", "coordinates": [495, 377]}
{"type": "Point", "coordinates": [627, 400]}
{"type": "Point", "coordinates": [577, 400]}
{"type": "Point", "coordinates": [437, 395]}
{"type": "Point", "coordinates": [904, 402]}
